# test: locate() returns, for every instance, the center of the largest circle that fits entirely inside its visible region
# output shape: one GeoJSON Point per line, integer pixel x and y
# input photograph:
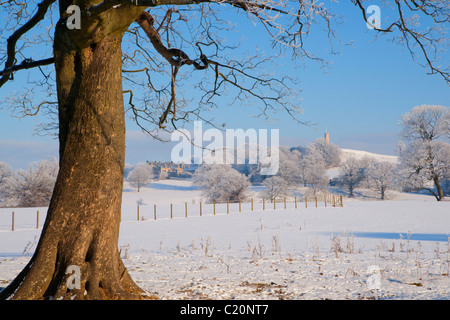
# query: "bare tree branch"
{"type": "Point", "coordinates": [175, 57]}
{"type": "Point", "coordinates": [426, 41]}
{"type": "Point", "coordinates": [27, 64]}
{"type": "Point", "coordinates": [189, 32]}
{"type": "Point", "coordinates": [14, 38]}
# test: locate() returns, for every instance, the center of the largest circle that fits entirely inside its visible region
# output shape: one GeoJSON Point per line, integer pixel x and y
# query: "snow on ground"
{"type": "Point", "coordinates": [163, 192]}
{"type": "Point", "coordinates": [358, 154]}
{"type": "Point", "coordinates": [397, 249]}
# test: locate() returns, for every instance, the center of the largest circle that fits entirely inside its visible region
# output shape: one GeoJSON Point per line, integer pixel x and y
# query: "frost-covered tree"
{"type": "Point", "coordinates": [5, 173]}
{"type": "Point", "coordinates": [140, 176]}
{"type": "Point", "coordinates": [352, 173]}
{"type": "Point", "coordinates": [289, 166]}
{"type": "Point", "coordinates": [303, 169]}
{"type": "Point", "coordinates": [426, 123]}
{"type": "Point", "coordinates": [315, 172]}
{"type": "Point", "coordinates": [32, 187]}
{"type": "Point", "coordinates": [275, 187]}
{"type": "Point", "coordinates": [380, 177]}
{"type": "Point", "coordinates": [423, 164]}
{"type": "Point", "coordinates": [425, 158]}
{"type": "Point", "coordinates": [120, 47]}
{"type": "Point", "coordinates": [220, 182]}
{"type": "Point", "coordinates": [163, 175]}
{"type": "Point", "coordinates": [330, 152]}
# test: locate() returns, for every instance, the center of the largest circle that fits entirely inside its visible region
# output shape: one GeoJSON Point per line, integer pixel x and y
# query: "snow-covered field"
{"type": "Point", "coordinates": [359, 154]}
{"type": "Point", "coordinates": [396, 249]}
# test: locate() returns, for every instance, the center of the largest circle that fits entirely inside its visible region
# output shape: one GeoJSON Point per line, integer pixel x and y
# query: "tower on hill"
{"type": "Point", "coordinates": [327, 137]}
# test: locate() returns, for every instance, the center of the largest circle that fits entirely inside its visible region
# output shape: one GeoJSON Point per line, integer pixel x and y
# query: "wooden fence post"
{"type": "Point", "coordinates": [325, 200]}
{"type": "Point", "coordinates": [185, 209]}
{"type": "Point", "coordinates": [252, 204]}
{"type": "Point", "coordinates": [214, 207]}
{"type": "Point", "coordinates": [306, 202]}
{"type": "Point", "coordinates": [284, 202]}
{"type": "Point", "coordinates": [200, 209]}
{"type": "Point", "coordinates": [228, 207]}
{"type": "Point", "coordinates": [138, 213]}
{"type": "Point", "coordinates": [171, 211]}
{"type": "Point", "coordinates": [342, 201]}
{"type": "Point", "coordinates": [316, 200]}
{"type": "Point", "coordinates": [264, 204]}
{"type": "Point", "coordinates": [274, 203]}
{"type": "Point", "coordinates": [155, 211]}
{"type": "Point", "coordinates": [295, 199]}
{"type": "Point", "coordinates": [12, 222]}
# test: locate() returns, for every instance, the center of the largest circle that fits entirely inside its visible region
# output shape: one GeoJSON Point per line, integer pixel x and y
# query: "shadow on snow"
{"type": "Point", "coordinates": [398, 236]}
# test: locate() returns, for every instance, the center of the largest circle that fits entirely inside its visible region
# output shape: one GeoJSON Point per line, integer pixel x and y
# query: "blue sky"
{"type": "Point", "coordinates": [359, 99]}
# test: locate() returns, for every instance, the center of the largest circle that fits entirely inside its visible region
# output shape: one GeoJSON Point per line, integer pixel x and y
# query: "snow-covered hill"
{"type": "Point", "coordinates": [358, 154]}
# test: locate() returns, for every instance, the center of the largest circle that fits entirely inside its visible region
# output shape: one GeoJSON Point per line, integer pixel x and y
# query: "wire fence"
{"type": "Point", "coordinates": [33, 218]}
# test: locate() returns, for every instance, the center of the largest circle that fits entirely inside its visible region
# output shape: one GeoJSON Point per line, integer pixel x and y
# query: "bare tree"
{"type": "Point", "coordinates": [423, 165]}
{"type": "Point", "coordinates": [109, 57]}
{"type": "Point", "coordinates": [426, 123]}
{"type": "Point", "coordinates": [353, 172]}
{"type": "Point", "coordinates": [220, 183]}
{"type": "Point", "coordinates": [330, 152]}
{"type": "Point", "coordinates": [289, 169]}
{"type": "Point", "coordinates": [426, 158]}
{"type": "Point", "coordinates": [140, 175]}
{"type": "Point", "coordinates": [275, 187]}
{"type": "Point", "coordinates": [315, 172]}
{"type": "Point", "coordinates": [303, 169]}
{"type": "Point", "coordinates": [5, 173]}
{"type": "Point", "coordinates": [380, 176]}
{"type": "Point", "coordinates": [32, 187]}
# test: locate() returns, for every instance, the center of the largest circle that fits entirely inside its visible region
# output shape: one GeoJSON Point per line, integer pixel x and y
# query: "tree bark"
{"type": "Point", "coordinates": [437, 184]}
{"type": "Point", "coordinates": [82, 224]}
{"type": "Point", "coordinates": [440, 193]}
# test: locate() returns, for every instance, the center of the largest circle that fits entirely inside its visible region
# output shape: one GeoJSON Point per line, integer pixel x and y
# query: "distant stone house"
{"type": "Point", "coordinates": [179, 168]}
{"type": "Point", "coordinates": [165, 168]}
{"type": "Point", "coordinates": [170, 168]}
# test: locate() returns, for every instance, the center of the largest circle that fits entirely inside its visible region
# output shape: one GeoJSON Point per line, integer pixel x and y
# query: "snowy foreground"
{"type": "Point", "coordinates": [396, 249]}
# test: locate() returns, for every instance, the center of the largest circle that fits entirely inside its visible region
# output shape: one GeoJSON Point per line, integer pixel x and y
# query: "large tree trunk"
{"type": "Point", "coordinates": [82, 224]}
{"type": "Point", "coordinates": [350, 188]}
{"type": "Point", "coordinates": [440, 191]}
